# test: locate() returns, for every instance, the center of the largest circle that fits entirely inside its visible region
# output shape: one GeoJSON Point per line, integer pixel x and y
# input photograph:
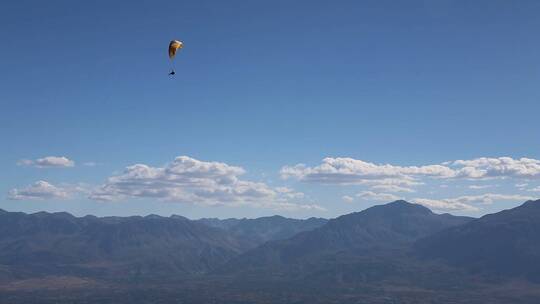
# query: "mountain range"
{"type": "Point", "coordinates": [393, 253]}
{"type": "Point", "coordinates": [132, 246]}
{"type": "Point", "coordinates": [255, 232]}
{"type": "Point", "coordinates": [376, 230]}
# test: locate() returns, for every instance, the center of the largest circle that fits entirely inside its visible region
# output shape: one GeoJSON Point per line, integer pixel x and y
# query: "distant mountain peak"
{"type": "Point", "coordinates": [399, 207]}
{"type": "Point", "coordinates": [531, 203]}
{"type": "Point", "coordinates": [405, 204]}
{"type": "Point", "coordinates": [178, 217]}
{"type": "Point", "coordinates": [275, 217]}
{"type": "Point", "coordinates": [64, 215]}
{"type": "Point", "coordinates": [377, 230]}
{"type": "Point", "coordinates": [400, 202]}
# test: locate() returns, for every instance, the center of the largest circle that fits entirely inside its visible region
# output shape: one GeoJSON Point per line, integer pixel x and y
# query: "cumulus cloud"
{"type": "Point", "coordinates": [461, 203]}
{"type": "Point", "coordinates": [353, 171]}
{"type": "Point", "coordinates": [444, 204]}
{"type": "Point", "coordinates": [40, 190]}
{"type": "Point", "coordinates": [522, 186]}
{"type": "Point", "coordinates": [394, 178]}
{"type": "Point", "coordinates": [391, 188]}
{"type": "Point", "coordinates": [391, 185]}
{"type": "Point", "coordinates": [467, 202]}
{"type": "Point", "coordinates": [347, 199]}
{"type": "Point", "coordinates": [48, 162]}
{"type": "Point", "coordinates": [376, 196]}
{"type": "Point", "coordinates": [478, 187]}
{"type": "Point", "coordinates": [188, 180]}
{"type": "Point", "coordinates": [485, 167]}
{"type": "Point", "coordinates": [289, 193]}
{"type": "Point", "coordinates": [489, 198]}
{"type": "Point", "coordinates": [535, 189]}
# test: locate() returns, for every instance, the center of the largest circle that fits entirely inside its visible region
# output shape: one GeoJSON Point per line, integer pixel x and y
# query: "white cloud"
{"type": "Point", "coordinates": [461, 203]}
{"type": "Point", "coordinates": [347, 199]}
{"type": "Point", "coordinates": [522, 186]}
{"type": "Point", "coordinates": [535, 189]}
{"type": "Point", "coordinates": [25, 162]}
{"type": "Point", "coordinates": [394, 178]}
{"type": "Point", "coordinates": [375, 196]}
{"type": "Point", "coordinates": [352, 171]}
{"type": "Point", "coordinates": [40, 190]}
{"type": "Point", "coordinates": [48, 162]}
{"type": "Point", "coordinates": [466, 202]}
{"type": "Point", "coordinates": [489, 198]}
{"type": "Point", "coordinates": [290, 193]}
{"type": "Point", "coordinates": [444, 205]}
{"type": "Point", "coordinates": [485, 167]}
{"type": "Point", "coordinates": [187, 180]}
{"type": "Point", "coordinates": [392, 188]}
{"type": "Point", "coordinates": [391, 185]}
{"type": "Point", "coordinates": [478, 187]}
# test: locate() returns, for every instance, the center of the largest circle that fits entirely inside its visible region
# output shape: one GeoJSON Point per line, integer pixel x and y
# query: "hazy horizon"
{"type": "Point", "coordinates": [223, 218]}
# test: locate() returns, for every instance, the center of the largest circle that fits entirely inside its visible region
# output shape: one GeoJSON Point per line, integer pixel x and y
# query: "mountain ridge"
{"type": "Point", "coordinates": [45, 242]}
{"type": "Point", "coordinates": [505, 243]}
{"type": "Point", "coordinates": [378, 229]}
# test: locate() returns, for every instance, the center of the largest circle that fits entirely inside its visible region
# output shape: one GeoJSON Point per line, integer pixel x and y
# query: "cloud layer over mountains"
{"type": "Point", "coordinates": [211, 183]}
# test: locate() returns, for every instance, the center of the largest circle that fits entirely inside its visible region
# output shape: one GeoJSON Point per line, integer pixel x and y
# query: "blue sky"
{"type": "Point", "coordinates": [261, 86]}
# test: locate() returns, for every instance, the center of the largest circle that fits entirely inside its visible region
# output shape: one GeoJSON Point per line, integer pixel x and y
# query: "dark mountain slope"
{"type": "Point", "coordinates": [376, 231]}
{"type": "Point", "coordinates": [506, 243]}
{"type": "Point", "coordinates": [124, 246]}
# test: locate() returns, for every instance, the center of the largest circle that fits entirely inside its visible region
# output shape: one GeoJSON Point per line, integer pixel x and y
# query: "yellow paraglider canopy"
{"type": "Point", "coordinates": [174, 46]}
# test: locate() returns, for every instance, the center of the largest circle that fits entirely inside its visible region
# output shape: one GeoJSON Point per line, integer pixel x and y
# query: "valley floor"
{"type": "Point", "coordinates": [65, 289]}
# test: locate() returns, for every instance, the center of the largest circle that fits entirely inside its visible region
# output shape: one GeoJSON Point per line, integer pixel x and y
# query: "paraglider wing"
{"type": "Point", "coordinates": [173, 48]}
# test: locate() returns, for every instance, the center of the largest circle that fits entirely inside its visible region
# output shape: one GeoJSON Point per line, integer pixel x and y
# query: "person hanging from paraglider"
{"type": "Point", "coordinates": [174, 46]}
